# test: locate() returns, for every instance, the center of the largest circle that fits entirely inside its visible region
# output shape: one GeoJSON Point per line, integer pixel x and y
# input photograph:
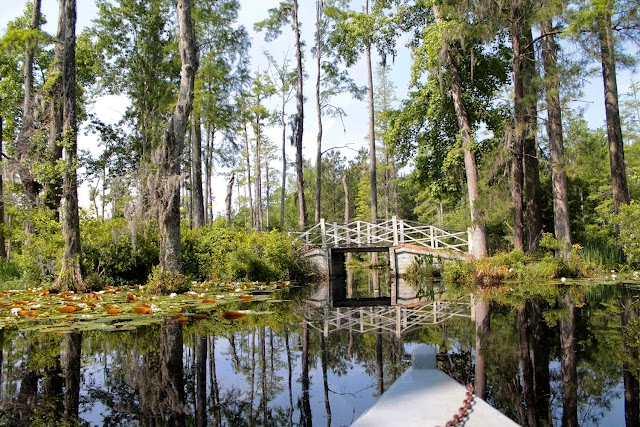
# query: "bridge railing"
{"type": "Point", "coordinates": [392, 232]}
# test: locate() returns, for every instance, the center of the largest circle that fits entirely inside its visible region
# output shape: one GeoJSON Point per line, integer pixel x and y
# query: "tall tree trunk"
{"type": "Point", "coordinates": [530, 147]}
{"type": "Point", "coordinates": [71, 275]}
{"type": "Point", "coordinates": [372, 131]}
{"type": "Point", "coordinates": [248, 157]}
{"type": "Point", "coordinates": [559, 190]}
{"type": "Point", "coordinates": [614, 130]}
{"type": "Point", "coordinates": [319, 48]}
{"type": "Point", "coordinates": [227, 199]}
{"type": "Point", "coordinates": [196, 168]}
{"type": "Point", "coordinates": [299, 119]}
{"type": "Point", "coordinates": [519, 126]}
{"type": "Point", "coordinates": [169, 154]}
{"type": "Point", "coordinates": [258, 187]}
{"type": "Point", "coordinates": [208, 168]}
{"type": "Point", "coordinates": [283, 182]}
{"type": "Point", "coordinates": [3, 248]}
{"type": "Point", "coordinates": [568, 363]}
{"type": "Point", "coordinates": [23, 141]}
{"type": "Point", "coordinates": [478, 241]}
{"type": "Point", "coordinates": [53, 185]}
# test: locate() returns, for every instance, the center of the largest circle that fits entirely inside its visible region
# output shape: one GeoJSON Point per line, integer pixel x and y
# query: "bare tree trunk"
{"type": "Point", "coordinates": [169, 154]}
{"type": "Point", "coordinates": [227, 200]}
{"type": "Point", "coordinates": [530, 147]}
{"type": "Point", "coordinates": [258, 166]}
{"type": "Point", "coordinates": [372, 132]}
{"type": "Point", "coordinates": [208, 168]}
{"type": "Point", "coordinates": [519, 126]}
{"type": "Point", "coordinates": [53, 185]}
{"type": "Point", "coordinates": [319, 35]}
{"type": "Point", "coordinates": [23, 141]}
{"type": "Point", "coordinates": [284, 162]}
{"type": "Point", "coordinates": [3, 249]}
{"type": "Point", "coordinates": [248, 157]}
{"type": "Point", "coordinates": [614, 130]}
{"type": "Point", "coordinates": [299, 119]}
{"type": "Point", "coordinates": [561, 222]}
{"type": "Point", "coordinates": [196, 168]}
{"type": "Point", "coordinates": [71, 275]}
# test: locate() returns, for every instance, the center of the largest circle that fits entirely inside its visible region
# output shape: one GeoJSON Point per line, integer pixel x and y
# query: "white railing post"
{"type": "Point", "coordinates": [323, 232]}
{"type": "Point", "coordinates": [401, 231]}
{"type": "Point", "coordinates": [394, 221]}
{"type": "Point", "coordinates": [336, 240]}
{"type": "Point", "coordinates": [358, 233]}
{"type": "Point", "coordinates": [431, 236]}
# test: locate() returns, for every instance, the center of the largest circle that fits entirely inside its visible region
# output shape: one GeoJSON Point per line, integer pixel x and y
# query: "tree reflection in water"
{"type": "Point", "coordinates": [554, 358]}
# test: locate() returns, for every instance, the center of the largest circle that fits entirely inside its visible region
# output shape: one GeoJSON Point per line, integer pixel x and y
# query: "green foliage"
{"type": "Point", "coordinates": [165, 282]}
{"type": "Point", "coordinates": [550, 243]}
{"type": "Point", "coordinates": [110, 256]}
{"type": "Point", "coordinates": [38, 244]}
{"type": "Point", "coordinates": [9, 273]}
{"type": "Point", "coordinates": [217, 252]}
{"type": "Point", "coordinates": [629, 220]}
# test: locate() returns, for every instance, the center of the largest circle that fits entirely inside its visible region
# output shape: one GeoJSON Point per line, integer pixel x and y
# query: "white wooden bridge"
{"type": "Point", "coordinates": [393, 232]}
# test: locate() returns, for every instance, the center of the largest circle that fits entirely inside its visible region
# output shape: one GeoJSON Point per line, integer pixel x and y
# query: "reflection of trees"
{"type": "Point", "coordinates": [201, 381]}
{"type": "Point", "coordinates": [483, 326]}
{"type": "Point", "coordinates": [73, 352]}
{"type": "Point", "coordinates": [161, 381]}
{"type": "Point", "coordinates": [630, 380]}
{"type": "Point", "coordinates": [568, 363]}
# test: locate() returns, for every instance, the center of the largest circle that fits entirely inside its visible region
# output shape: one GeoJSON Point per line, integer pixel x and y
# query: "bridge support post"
{"type": "Point", "coordinates": [323, 232]}
{"type": "Point", "coordinates": [394, 221]}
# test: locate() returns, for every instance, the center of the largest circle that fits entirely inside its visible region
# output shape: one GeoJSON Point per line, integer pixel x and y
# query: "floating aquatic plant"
{"type": "Point", "coordinates": [126, 308]}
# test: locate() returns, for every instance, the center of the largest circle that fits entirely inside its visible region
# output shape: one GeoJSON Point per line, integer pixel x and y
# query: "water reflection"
{"type": "Point", "coordinates": [566, 356]}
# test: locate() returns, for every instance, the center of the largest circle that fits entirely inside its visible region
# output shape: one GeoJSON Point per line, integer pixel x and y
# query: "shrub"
{"type": "Point", "coordinates": [217, 252]}
{"type": "Point", "coordinates": [110, 256]}
{"type": "Point", "coordinates": [165, 282]}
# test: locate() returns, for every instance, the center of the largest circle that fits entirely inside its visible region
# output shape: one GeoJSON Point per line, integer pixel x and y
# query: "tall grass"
{"type": "Point", "coordinates": [603, 255]}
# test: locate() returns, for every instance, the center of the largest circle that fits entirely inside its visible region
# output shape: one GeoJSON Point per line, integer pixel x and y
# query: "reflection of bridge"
{"type": "Point", "coordinates": [396, 319]}
{"type": "Point", "coordinates": [393, 232]}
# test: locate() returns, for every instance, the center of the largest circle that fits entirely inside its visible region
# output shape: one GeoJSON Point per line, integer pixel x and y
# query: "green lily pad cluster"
{"type": "Point", "coordinates": [128, 307]}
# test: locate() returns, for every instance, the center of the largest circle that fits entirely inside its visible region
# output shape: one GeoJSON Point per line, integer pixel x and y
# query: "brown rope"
{"type": "Point", "coordinates": [459, 418]}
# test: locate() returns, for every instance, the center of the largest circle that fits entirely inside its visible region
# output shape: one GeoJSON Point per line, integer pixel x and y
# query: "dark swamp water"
{"type": "Point", "coordinates": [297, 361]}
